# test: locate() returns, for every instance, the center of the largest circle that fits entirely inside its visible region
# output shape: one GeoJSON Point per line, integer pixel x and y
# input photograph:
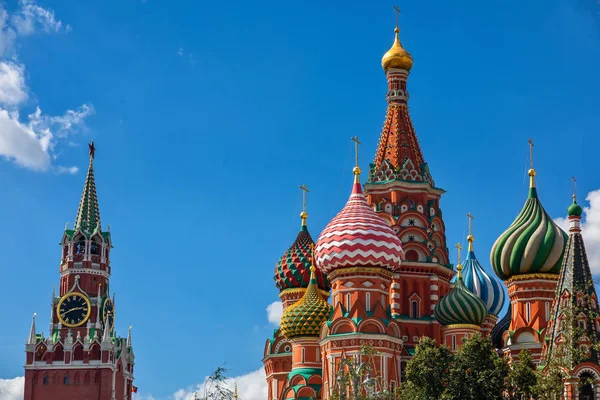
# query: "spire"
{"type": "Point", "coordinates": [235, 392]}
{"type": "Point", "coordinates": [88, 214]}
{"type": "Point", "coordinates": [531, 172]}
{"type": "Point", "coordinates": [106, 333]}
{"type": "Point", "coordinates": [304, 214]}
{"type": "Point", "coordinates": [52, 310]}
{"type": "Point", "coordinates": [459, 267]}
{"type": "Point", "coordinates": [129, 337]}
{"type": "Point", "coordinates": [470, 238]}
{"type": "Point", "coordinates": [32, 336]}
{"type": "Point", "coordinates": [98, 305]}
{"type": "Point", "coordinates": [356, 170]}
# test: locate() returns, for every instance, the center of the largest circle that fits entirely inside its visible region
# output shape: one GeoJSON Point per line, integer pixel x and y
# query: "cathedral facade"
{"type": "Point", "coordinates": [379, 278]}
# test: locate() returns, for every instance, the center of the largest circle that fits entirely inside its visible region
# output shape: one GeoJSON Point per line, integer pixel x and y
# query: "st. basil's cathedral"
{"type": "Point", "coordinates": [379, 275]}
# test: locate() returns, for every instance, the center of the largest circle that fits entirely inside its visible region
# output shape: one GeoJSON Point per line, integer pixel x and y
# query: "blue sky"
{"type": "Point", "coordinates": [208, 115]}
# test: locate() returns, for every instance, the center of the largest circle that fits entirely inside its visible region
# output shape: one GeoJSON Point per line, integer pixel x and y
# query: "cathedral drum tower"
{"type": "Point", "coordinates": [401, 190]}
{"type": "Point", "coordinates": [528, 257]}
{"type": "Point", "coordinates": [82, 358]}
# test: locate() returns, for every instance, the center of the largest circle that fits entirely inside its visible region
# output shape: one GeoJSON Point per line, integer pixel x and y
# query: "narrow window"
{"type": "Point", "coordinates": [66, 379]}
{"type": "Point", "coordinates": [303, 355]}
{"type": "Point", "coordinates": [348, 301]}
{"type": "Point", "coordinates": [453, 342]}
{"type": "Point", "coordinates": [547, 306]}
{"type": "Point", "coordinates": [368, 301]}
{"type": "Point", "coordinates": [318, 355]}
{"type": "Point", "coordinates": [581, 324]}
{"type": "Point", "coordinates": [383, 300]}
{"type": "Point", "coordinates": [414, 309]}
{"type": "Point", "coordinates": [528, 312]}
{"type": "Point", "coordinates": [45, 379]}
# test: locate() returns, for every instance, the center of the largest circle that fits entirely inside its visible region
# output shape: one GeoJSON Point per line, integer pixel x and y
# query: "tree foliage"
{"type": "Point", "coordinates": [522, 377]}
{"type": "Point", "coordinates": [215, 387]}
{"type": "Point", "coordinates": [427, 372]}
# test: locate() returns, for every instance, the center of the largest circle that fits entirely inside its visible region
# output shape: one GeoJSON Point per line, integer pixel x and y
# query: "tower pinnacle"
{"type": "Point", "coordinates": [304, 214]}
{"type": "Point", "coordinates": [88, 214]}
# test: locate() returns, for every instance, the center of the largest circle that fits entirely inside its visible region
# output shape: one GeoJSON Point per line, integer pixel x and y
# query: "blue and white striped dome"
{"type": "Point", "coordinates": [488, 289]}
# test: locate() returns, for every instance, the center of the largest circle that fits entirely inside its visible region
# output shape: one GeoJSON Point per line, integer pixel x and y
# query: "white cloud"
{"type": "Point", "coordinates": [274, 312]}
{"type": "Point", "coordinates": [12, 83]}
{"type": "Point", "coordinates": [31, 18]}
{"type": "Point", "coordinates": [30, 143]}
{"type": "Point", "coordinates": [12, 389]}
{"type": "Point", "coordinates": [590, 229]}
{"type": "Point", "coordinates": [251, 386]}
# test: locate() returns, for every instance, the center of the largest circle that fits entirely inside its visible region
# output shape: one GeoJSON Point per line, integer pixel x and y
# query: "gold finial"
{"type": "Point", "coordinates": [459, 266]}
{"type": "Point", "coordinates": [304, 214]}
{"type": "Point", "coordinates": [92, 150]}
{"type": "Point", "coordinates": [356, 169]}
{"type": "Point", "coordinates": [470, 238]}
{"type": "Point", "coordinates": [531, 172]}
{"type": "Point", "coordinates": [396, 57]}
{"type": "Point", "coordinates": [574, 189]}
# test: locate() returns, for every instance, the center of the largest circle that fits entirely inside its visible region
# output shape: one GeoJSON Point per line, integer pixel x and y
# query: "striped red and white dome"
{"type": "Point", "coordinates": [357, 237]}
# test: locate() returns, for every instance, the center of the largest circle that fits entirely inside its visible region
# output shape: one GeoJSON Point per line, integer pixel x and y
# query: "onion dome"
{"type": "Point", "coordinates": [358, 237]}
{"type": "Point", "coordinates": [292, 271]}
{"type": "Point", "coordinates": [305, 317]}
{"type": "Point", "coordinates": [460, 306]}
{"type": "Point", "coordinates": [574, 209]}
{"type": "Point", "coordinates": [396, 56]}
{"type": "Point", "coordinates": [533, 243]}
{"type": "Point", "coordinates": [477, 281]}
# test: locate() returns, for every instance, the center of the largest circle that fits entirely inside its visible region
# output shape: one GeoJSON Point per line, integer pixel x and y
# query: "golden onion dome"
{"type": "Point", "coordinates": [396, 56]}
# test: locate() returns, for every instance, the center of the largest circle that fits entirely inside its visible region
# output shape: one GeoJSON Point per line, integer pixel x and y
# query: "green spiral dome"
{"type": "Point", "coordinates": [533, 243]}
{"type": "Point", "coordinates": [460, 306]}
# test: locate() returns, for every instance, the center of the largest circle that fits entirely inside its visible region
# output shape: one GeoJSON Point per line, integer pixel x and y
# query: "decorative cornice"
{"type": "Point", "coordinates": [462, 326]}
{"type": "Point", "coordinates": [527, 277]}
{"type": "Point", "coordinates": [300, 291]}
{"type": "Point", "coordinates": [338, 273]}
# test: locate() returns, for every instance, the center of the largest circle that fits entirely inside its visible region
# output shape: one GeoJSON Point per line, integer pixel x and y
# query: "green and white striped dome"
{"type": "Point", "coordinates": [533, 243]}
{"type": "Point", "coordinates": [460, 306]}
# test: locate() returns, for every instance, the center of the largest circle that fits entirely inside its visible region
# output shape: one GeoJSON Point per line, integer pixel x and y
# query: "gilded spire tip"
{"type": "Point", "coordinates": [470, 238]}
{"type": "Point", "coordinates": [459, 267]}
{"type": "Point", "coordinates": [531, 171]}
{"type": "Point", "coordinates": [304, 214]}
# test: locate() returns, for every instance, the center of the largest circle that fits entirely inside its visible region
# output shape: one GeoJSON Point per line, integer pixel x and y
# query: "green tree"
{"type": "Point", "coordinates": [522, 377]}
{"type": "Point", "coordinates": [215, 387]}
{"type": "Point", "coordinates": [476, 373]}
{"type": "Point", "coordinates": [427, 372]}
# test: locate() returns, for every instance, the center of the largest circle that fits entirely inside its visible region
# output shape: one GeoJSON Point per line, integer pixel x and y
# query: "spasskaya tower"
{"type": "Point", "coordinates": [82, 358]}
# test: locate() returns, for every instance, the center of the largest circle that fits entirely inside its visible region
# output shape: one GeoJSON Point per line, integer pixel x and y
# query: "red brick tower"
{"type": "Point", "coordinates": [401, 190]}
{"type": "Point", "coordinates": [360, 254]}
{"type": "Point", "coordinates": [292, 278]}
{"type": "Point", "coordinates": [528, 257]}
{"type": "Point", "coordinates": [82, 358]}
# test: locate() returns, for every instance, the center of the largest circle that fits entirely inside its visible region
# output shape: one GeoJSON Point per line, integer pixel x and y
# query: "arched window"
{"type": "Point", "coordinates": [46, 379]}
{"type": "Point", "coordinates": [411, 255]}
{"type": "Point", "coordinates": [414, 309]}
{"type": "Point", "coordinates": [80, 245]}
{"type": "Point", "coordinates": [66, 379]}
{"type": "Point", "coordinates": [86, 378]}
{"type": "Point", "coordinates": [76, 378]}
{"type": "Point", "coordinates": [368, 301]}
{"type": "Point", "coordinates": [528, 312]}
{"type": "Point", "coordinates": [95, 248]}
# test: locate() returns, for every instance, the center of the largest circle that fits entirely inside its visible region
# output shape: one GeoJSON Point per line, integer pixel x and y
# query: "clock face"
{"type": "Point", "coordinates": [73, 309]}
{"type": "Point", "coordinates": [108, 312]}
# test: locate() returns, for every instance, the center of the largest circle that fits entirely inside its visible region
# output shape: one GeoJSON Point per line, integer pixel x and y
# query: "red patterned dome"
{"type": "Point", "coordinates": [357, 237]}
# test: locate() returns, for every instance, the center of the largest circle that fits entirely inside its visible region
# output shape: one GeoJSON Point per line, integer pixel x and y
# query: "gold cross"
{"type": "Point", "coordinates": [530, 152]}
{"type": "Point", "coordinates": [459, 248]}
{"type": "Point", "coordinates": [356, 144]}
{"type": "Point", "coordinates": [304, 191]}
{"type": "Point", "coordinates": [470, 216]}
{"type": "Point", "coordinates": [574, 188]}
{"type": "Point", "coordinates": [397, 13]}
